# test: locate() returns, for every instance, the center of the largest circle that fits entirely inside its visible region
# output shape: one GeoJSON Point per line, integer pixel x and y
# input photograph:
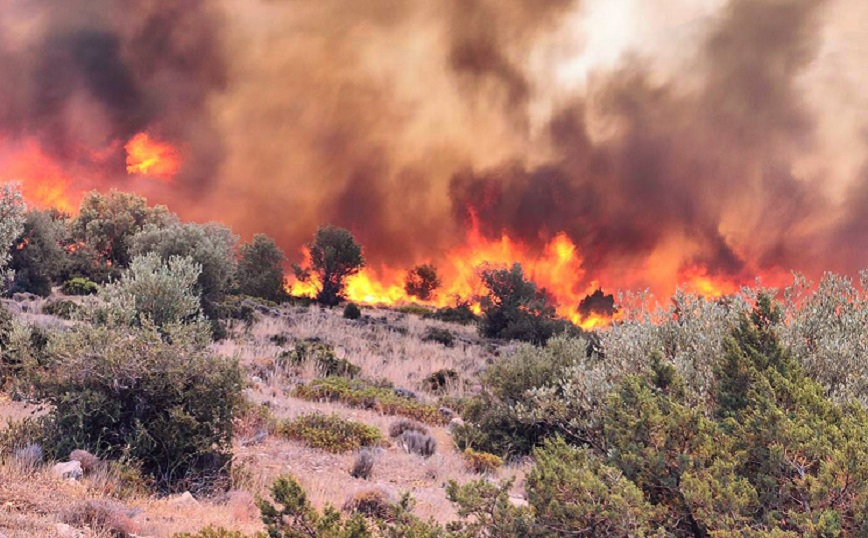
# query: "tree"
{"type": "Point", "coordinates": [260, 270]}
{"type": "Point", "coordinates": [515, 309]}
{"type": "Point", "coordinates": [334, 256]}
{"type": "Point", "coordinates": [211, 246]}
{"type": "Point", "coordinates": [37, 256]}
{"type": "Point", "coordinates": [12, 208]}
{"type": "Point", "coordinates": [106, 223]}
{"type": "Point", "coordinates": [422, 281]}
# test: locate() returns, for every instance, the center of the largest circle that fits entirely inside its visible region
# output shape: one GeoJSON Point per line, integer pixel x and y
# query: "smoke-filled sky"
{"type": "Point", "coordinates": [662, 137]}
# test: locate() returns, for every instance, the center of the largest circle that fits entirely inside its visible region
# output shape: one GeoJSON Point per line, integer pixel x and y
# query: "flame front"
{"type": "Point", "coordinates": [150, 157]}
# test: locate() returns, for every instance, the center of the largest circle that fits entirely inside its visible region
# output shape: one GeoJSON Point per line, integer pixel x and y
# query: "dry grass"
{"type": "Point", "coordinates": [387, 346]}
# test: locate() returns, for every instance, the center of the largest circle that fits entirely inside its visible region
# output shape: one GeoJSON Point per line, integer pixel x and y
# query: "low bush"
{"type": "Point", "coordinates": [351, 311]}
{"type": "Point", "coordinates": [481, 462]}
{"type": "Point", "coordinates": [415, 310]}
{"type": "Point", "coordinates": [79, 286]}
{"type": "Point", "coordinates": [359, 393]}
{"type": "Point", "coordinates": [320, 354]}
{"type": "Point", "coordinates": [440, 336]}
{"type": "Point", "coordinates": [61, 308]}
{"type": "Point", "coordinates": [236, 307]}
{"type": "Point", "coordinates": [104, 517]}
{"type": "Point", "coordinates": [370, 503]}
{"type": "Point", "coordinates": [215, 532]}
{"type": "Point", "coordinates": [461, 313]}
{"type": "Point", "coordinates": [363, 465]}
{"type": "Point", "coordinates": [331, 433]}
{"type": "Point", "coordinates": [439, 380]}
{"type": "Point", "coordinates": [155, 395]}
{"type": "Point", "coordinates": [422, 444]}
{"type": "Point", "coordinates": [397, 428]}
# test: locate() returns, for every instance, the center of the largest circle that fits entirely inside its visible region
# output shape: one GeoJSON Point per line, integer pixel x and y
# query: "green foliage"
{"type": "Point", "coordinates": [481, 462]}
{"type": "Point", "coordinates": [441, 336]}
{"type": "Point", "coordinates": [12, 220]}
{"type": "Point", "coordinates": [79, 286]}
{"type": "Point", "coordinates": [334, 256]}
{"type": "Point", "coordinates": [422, 281]}
{"type": "Point", "coordinates": [359, 393]}
{"type": "Point", "coordinates": [514, 309]}
{"type": "Point", "coordinates": [260, 270]}
{"type": "Point", "coordinates": [61, 308]}
{"type": "Point", "coordinates": [486, 511]}
{"type": "Point", "coordinates": [210, 246]}
{"type": "Point", "coordinates": [161, 291]}
{"type": "Point", "coordinates": [415, 310]}
{"type": "Point", "coordinates": [461, 313]}
{"type": "Point", "coordinates": [351, 311]}
{"type": "Point", "coordinates": [439, 380]}
{"type": "Point", "coordinates": [330, 432]}
{"type": "Point", "coordinates": [36, 256]}
{"type": "Point", "coordinates": [322, 355]}
{"type": "Point", "coordinates": [153, 395]}
{"type": "Point", "coordinates": [213, 532]}
{"type": "Point", "coordinates": [236, 307]}
{"type": "Point", "coordinates": [106, 223]}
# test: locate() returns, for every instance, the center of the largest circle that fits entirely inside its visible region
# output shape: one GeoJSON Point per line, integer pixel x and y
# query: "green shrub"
{"type": "Point", "coordinates": [359, 393]}
{"type": "Point", "coordinates": [441, 336]}
{"type": "Point", "coordinates": [351, 311]}
{"type": "Point", "coordinates": [215, 532]}
{"type": "Point", "coordinates": [422, 281]}
{"type": "Point", "coordinates": [481, 462]}
{"type": "Point", "coordinates": [260, 269]}
{"type": "Point", "coordinates": [154, 395]}
{"type": "Point", "coordinates": [334, 256]}
{"type": "Point", "coordinates": [235, 307]}
{"type": "Point", "coordinates": [61, 308]}
{"type": "Point", "coordinates": [439, 380]}
{"type": "Point", "coordinates": [415, 310]}
{"type": "Point", "coordinates": [79, 286]}
{"type": "Point", "coordinates": [330, 432]}
{"type": "Point", "coordinates": [461, 313]}
{"type": "Point", "coordinates": [322, 355]}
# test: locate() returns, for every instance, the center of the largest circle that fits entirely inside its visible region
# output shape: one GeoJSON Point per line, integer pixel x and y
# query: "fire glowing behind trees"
{"type": "Point", "coordinates": [150, 157]}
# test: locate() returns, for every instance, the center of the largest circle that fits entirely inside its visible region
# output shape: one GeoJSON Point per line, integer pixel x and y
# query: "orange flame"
{"type": "Point", "coordinates": [44, 183]}
{"type": "Point", "coordinates": [149, 157]}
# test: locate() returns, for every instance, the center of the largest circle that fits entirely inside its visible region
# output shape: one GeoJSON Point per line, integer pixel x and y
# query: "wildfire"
{"type": "Point", "coordinates": [44, 183]}
{"type": "Point", "coordinates": [558, 269]}
{"type": "Point", "coordinates": [150, 157]}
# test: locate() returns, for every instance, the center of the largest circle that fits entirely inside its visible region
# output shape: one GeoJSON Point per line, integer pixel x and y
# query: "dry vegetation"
{"type": "Point", "coordinates": [388, 346]}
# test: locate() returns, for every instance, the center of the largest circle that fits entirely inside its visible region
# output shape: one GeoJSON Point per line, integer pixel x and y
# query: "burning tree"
{"type": "Point", "coordinates": [422, 281]}
{"type": "Point", "coordinates": [334, 256]}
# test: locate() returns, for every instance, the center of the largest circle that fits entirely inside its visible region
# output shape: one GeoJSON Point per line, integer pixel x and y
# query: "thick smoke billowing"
{"type": "Point", "coordinates": [410, 121]}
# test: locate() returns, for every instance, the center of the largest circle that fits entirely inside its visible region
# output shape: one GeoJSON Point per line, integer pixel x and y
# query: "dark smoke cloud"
{"type": "Point", "coordinates": [83, 75]}
{"type": "Point", "coordinates": [410, 120]}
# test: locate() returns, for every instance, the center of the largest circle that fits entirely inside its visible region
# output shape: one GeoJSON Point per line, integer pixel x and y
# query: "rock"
{"type": "Point", "coordinates": [69, 469]}
{"type": "Point", "coordinates": [185, 499]}
{"type": "Point", "coordinates": [87, 460]}
{"type": "Point", "coordinates": [67, 531]}
{"type": "Point", "coordinates": [405, 393]}
{"type": "Point", "coordinates": [447, 413]}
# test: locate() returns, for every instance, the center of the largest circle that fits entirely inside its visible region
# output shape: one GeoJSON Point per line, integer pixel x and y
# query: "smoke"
{"type": "Point", "coordinates": [713, 144]}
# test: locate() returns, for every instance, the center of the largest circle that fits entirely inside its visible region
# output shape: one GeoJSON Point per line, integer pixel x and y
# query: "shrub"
{"type": "Point", "coordinates": [351, 311]}
{"type": "Point", "coordinates": [155, 395]}
{"type": "Point", "coordinates": [514, 309]}
{"type": "Point", "coordinates": [79, 286]}
{"type": "Point", "coordinates": [422, 281]}
{"type": "Point", "coordinates": [414, 442]}
{"type": "Point", "coordinates": [461, 313]}
{"type": "Point", "coordinates": [163, 292]}
{"type": "Point", "coordinates": [260, 269]}
{"type": "Point", "coordinates": [330, 432]}
{"type": "Point", "coordinates": [441, 336]}
{"type": "Point", "coordinates": [358, 393]}
{"type": "Point", "coordinates": [372, 503]}
{"type": "Point", "coordinates": [334, 256]}
{"type": "Point", "coordinates": [61, 308]}
{"type": "Point", "coordinates": [102, 517]}
{"type": "Point", "coordinates": [363, 465]}
{"type": "Point", "coordinates": [236, 307]}
{"type": "Point", "coordinates": [415, 310]}
{"type": "Point", "coordinates": [211, 246]}
{"type": "Point", "coordinates": [87, 460]}
{"type": "Point", "coordinates": [12, 209]}
{"type": "Point", "coordinates": [38, 257]}
{"type": "Point", "coordinates": [213, 532]}
{"type": "Point", "coordinates": [439, 380]}
{"type": "Point", "coordinates": [397, 428]}
{"type": "Point", "coordinates": [481, 462]}
{"type": "Point", "coordinates": [322, 355]}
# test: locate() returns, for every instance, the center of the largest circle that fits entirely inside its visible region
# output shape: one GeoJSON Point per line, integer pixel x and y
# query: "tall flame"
{"type": "Point", "coordinates": [153, 158]}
